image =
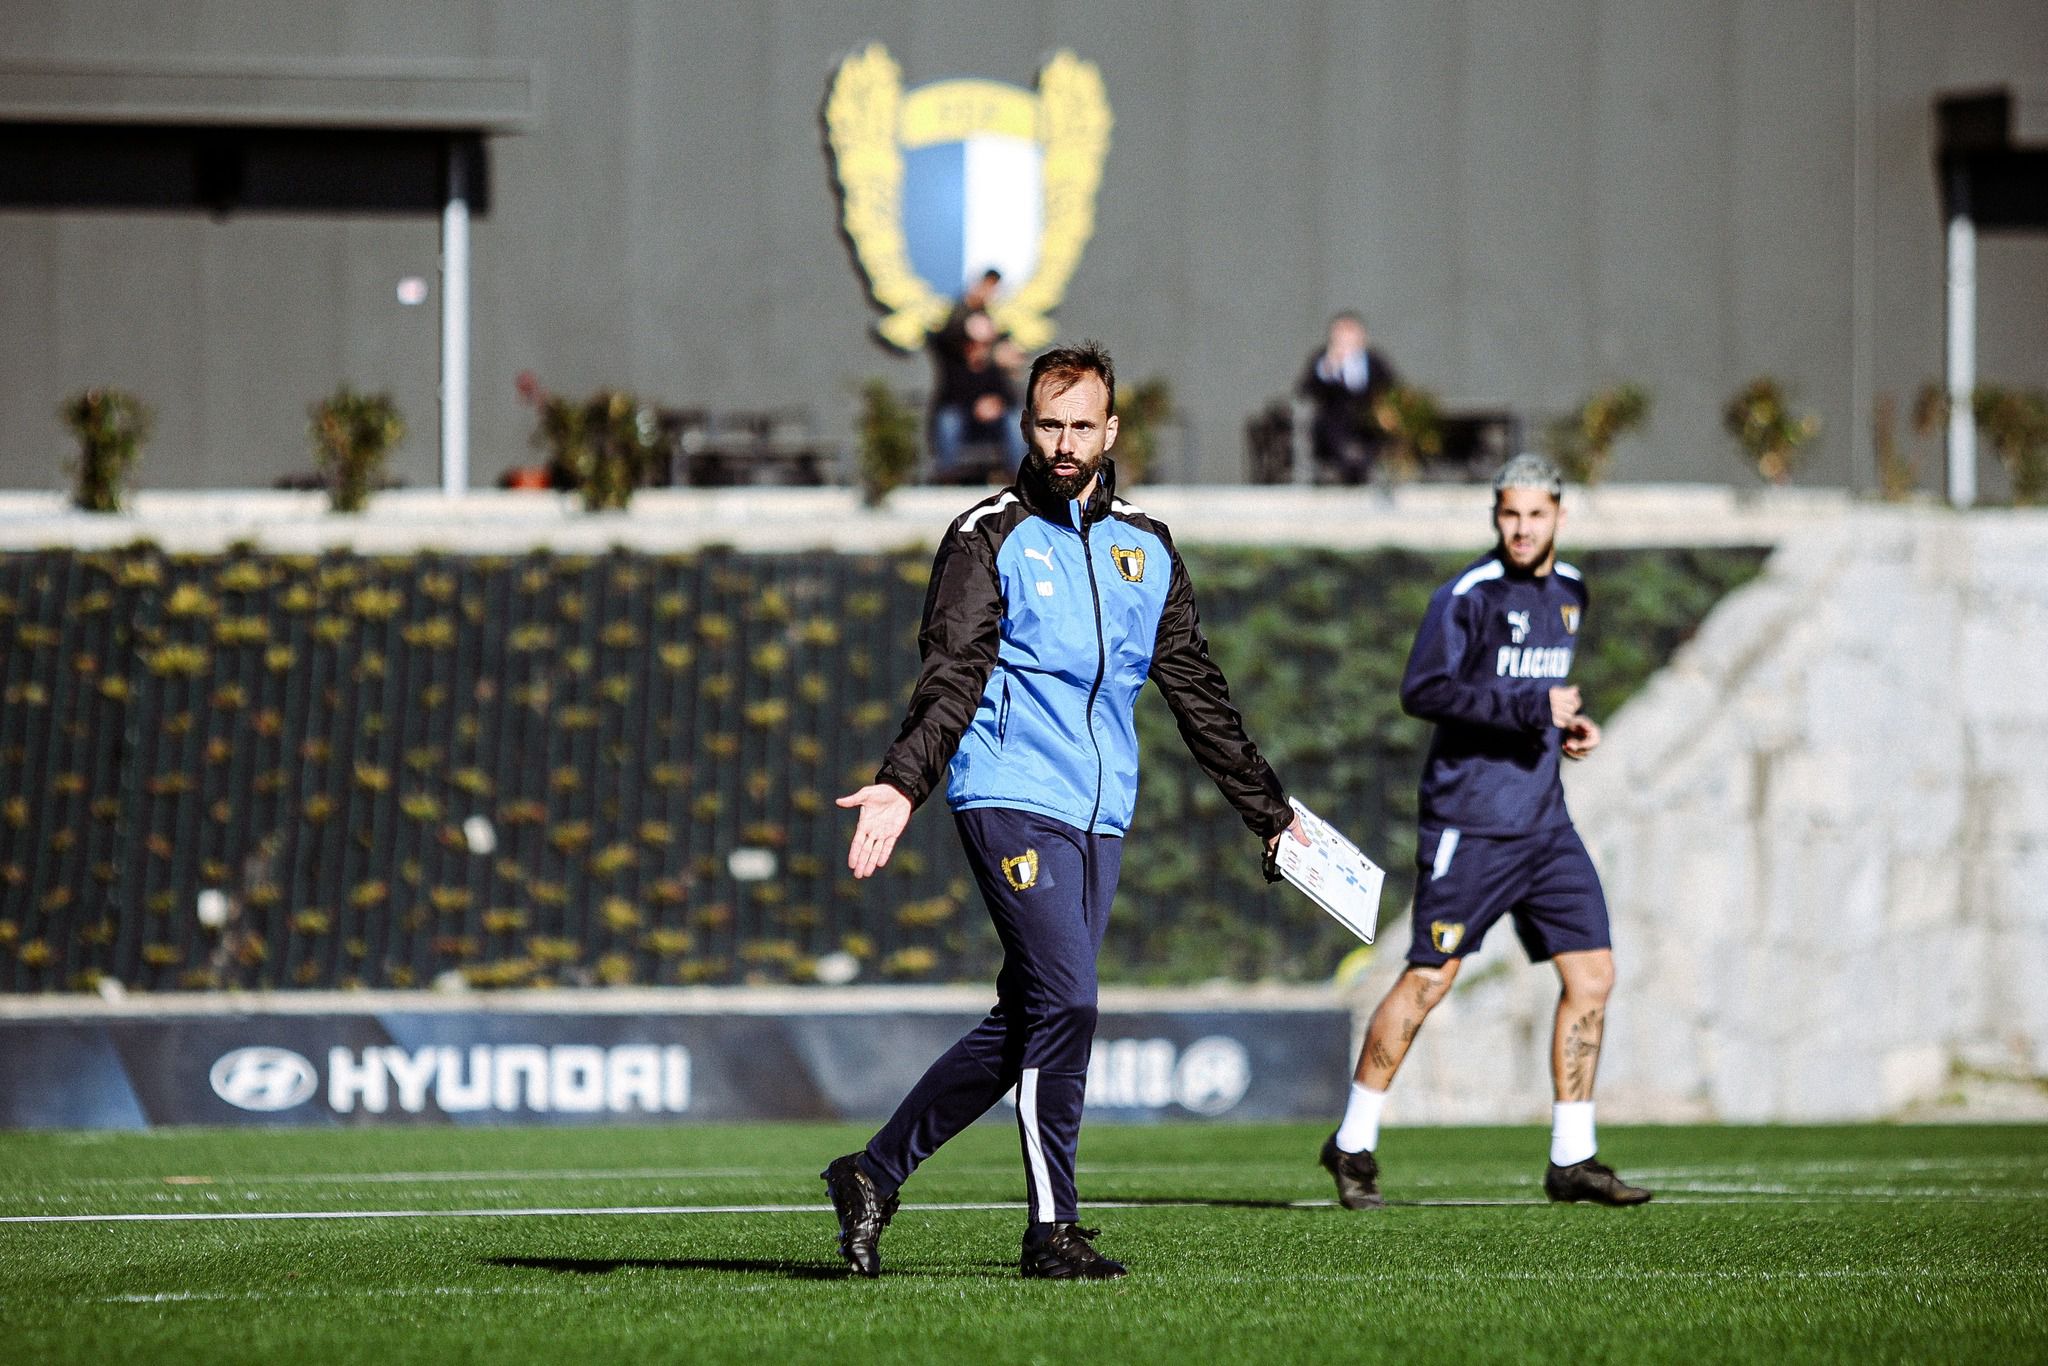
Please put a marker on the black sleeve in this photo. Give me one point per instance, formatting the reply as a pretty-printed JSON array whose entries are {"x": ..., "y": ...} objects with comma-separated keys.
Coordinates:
[
  {"x": 1200, "y": 699},
  {"x": 963, "y": 614}
]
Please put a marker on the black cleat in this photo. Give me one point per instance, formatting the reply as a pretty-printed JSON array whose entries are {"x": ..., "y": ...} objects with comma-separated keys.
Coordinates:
[
  {"x": 1067, "y": 1254},
  {"x": 1591, "y": 1181},
  {"x": 1358, "y": 1176},
  {"x": 863, "y": 1213}
]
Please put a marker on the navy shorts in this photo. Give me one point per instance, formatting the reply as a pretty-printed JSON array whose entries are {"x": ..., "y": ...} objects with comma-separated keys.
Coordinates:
[{"x": 1546, "y": 881}]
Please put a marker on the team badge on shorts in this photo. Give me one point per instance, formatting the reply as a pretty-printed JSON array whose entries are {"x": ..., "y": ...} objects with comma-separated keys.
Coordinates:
[
  {"x": 1129, "y": 563},
  {"x": 1021, "y": 872},
  {"x": 1446, "y": 935},
  {"x": 1570, "y": 612}
]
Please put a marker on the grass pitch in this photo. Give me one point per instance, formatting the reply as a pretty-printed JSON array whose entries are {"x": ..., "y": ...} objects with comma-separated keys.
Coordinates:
[{"x": 715, "y": 1243}]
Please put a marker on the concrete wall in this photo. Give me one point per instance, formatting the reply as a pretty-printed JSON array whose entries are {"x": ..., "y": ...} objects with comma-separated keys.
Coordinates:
[
  {"x": 1823, "y": 831},
  {"x": 1527, "y": 199}
]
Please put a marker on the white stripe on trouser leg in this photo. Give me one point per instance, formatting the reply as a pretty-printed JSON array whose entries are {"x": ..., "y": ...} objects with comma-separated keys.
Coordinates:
[
  {"x": 1034, "y": 1146},
  {"x": 1446, "y": 850}
]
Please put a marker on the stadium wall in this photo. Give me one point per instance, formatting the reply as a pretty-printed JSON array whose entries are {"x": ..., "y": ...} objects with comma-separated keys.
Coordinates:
[
  {"x": 1528, "y": 200},
  {"x": 1819, "y": 825},
  {"x": 239, "y": 765}
]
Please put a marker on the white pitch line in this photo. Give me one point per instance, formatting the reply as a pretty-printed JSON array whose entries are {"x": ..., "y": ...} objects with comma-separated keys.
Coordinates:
[
  {"x": 1704, "y": 1172},
  {"x": 480, "y": 1177},
  {"x": 246, "y": 1216}
]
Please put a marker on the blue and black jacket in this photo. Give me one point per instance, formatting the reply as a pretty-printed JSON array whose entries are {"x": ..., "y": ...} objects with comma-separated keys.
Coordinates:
[
  {"x": 1043, "y": 620},
  {"x": 1492, "y": 645}
]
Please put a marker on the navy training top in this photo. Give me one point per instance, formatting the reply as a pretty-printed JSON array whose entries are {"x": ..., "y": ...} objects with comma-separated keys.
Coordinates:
[{"x": 1492, "y": 645}]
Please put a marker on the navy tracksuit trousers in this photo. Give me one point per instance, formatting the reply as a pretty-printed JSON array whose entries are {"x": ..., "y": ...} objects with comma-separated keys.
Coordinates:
[{"x": 1048, "y": 888}]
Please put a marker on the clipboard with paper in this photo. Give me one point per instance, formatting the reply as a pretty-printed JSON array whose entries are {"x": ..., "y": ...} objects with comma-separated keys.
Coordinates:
[{"x": 1333, "y": 872}]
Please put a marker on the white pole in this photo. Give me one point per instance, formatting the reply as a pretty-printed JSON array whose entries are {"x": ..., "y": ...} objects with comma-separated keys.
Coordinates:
[
  {"x": 455, "y": 323},
  {"x": 1962, "y": 355}
]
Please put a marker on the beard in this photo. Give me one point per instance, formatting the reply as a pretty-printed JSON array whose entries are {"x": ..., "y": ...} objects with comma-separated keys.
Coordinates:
[
  {"x": 1066, "y": 485},
  {"x": 1536, "y": 556}
]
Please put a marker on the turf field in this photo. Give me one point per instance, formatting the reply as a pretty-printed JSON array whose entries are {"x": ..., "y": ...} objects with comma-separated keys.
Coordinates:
[{"x": 714, "y": 1243}]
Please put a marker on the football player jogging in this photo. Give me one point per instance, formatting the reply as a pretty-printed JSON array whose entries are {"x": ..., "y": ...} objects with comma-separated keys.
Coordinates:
[
  {"x": 1050, "y": 605},
  {"x": 1488, "y": 667}
]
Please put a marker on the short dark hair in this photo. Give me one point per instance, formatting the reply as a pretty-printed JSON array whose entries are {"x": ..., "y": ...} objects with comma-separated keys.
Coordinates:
[
  {"x": 991, "y": 274},
  {"x": 1065, "y": 366}
]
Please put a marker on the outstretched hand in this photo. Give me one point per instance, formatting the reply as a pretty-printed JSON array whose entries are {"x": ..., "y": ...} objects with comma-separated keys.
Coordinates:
[{"x": 884, "y": 812}]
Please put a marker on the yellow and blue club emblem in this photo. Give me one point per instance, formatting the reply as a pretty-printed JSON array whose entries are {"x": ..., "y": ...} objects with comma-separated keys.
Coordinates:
[
  {"x": 944, "y": 182},
  {"x": 1021, "y": 872}
]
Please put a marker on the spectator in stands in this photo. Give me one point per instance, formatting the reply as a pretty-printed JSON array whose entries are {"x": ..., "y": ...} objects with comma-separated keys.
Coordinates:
[
  {"x": 974, "y": 397},
  {"x": 1345, "y": 381}
]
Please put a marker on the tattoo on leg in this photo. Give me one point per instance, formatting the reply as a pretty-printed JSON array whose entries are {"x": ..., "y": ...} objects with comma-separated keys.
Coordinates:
[
  {"x": 1580, "y": 1054},
  {"x": 1383, "y": 1056}
]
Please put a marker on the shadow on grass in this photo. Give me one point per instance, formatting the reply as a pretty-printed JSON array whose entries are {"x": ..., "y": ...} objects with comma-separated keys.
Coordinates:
[
  {"x": 754, "y": 1266},
  {"x": 604, "y": 1266}
]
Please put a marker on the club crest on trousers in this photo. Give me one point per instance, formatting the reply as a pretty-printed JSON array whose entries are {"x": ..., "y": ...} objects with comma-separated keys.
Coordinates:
[{"x": 1022, "y": 871}]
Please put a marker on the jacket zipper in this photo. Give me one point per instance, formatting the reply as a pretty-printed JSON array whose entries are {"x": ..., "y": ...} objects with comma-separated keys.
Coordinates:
[{"x": 1101, "y": 661}]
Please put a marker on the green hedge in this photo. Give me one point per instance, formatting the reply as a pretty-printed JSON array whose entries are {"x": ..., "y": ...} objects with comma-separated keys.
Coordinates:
[
  {"x": 1314, "y": 644},
  {"x": 312, "y": 736}
]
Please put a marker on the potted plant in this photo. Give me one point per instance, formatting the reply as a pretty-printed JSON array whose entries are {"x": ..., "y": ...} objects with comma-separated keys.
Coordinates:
[
  {"x": 1899, "y": 467},
  {"x": 620, "y": 450},
  {"x": 1147, "y": 405},
  {"x": 887, "y": 441},
  {"x": 603, "y": 447},
  {"x": 2015, "y": 426},
  {"x": 352, "y": 437},
  {"x": 111, "y": 426},
  {"x": 1414, "y": 424},
  {"x": 1761, "y": 420},
  {"x": 1582, "y": 443}
]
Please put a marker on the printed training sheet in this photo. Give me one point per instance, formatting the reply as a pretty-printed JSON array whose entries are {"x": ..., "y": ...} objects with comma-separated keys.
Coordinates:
[{"x": 1334, "y": 873}]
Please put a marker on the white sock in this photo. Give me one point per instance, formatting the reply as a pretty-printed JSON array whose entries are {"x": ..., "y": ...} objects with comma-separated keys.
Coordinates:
[
  {"x": 1360, "y": 1131},
  {"x": 1571, "y": 1132}
]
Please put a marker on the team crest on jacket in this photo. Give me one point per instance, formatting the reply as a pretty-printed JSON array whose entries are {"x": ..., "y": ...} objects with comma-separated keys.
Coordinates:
[
  {"x": 1446, "y": 935},
  {"x": 1022, "y": 871},
  {"x": 1129, "y": 562},
  {"x": 1570, "y": 613},
  {"x": 944, "y": 181}
]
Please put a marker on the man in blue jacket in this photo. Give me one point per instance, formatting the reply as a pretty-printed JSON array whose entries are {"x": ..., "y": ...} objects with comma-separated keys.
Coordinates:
[
  {"x": 1489, "y": 668},
  {"x": 1050, "y": 605}
]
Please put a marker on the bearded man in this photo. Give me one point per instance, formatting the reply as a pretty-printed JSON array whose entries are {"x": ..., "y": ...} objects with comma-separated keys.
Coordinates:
[
  {"x": 1050, "y": 605},
  {"x": 1489, "y": 668}
]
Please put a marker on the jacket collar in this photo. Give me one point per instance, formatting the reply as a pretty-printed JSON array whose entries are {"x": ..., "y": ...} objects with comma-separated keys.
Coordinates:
[{"x": 1034, "y": 493}]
